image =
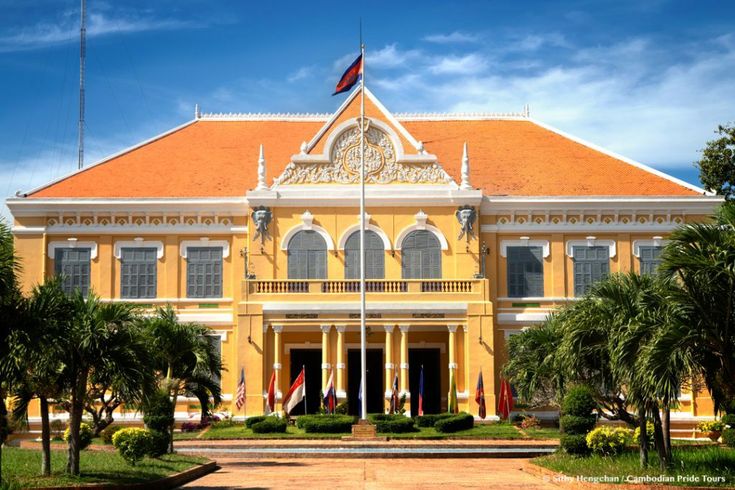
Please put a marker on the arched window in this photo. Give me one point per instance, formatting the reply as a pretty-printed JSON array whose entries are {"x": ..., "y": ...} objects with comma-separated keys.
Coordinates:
[
  {"x": 374, "y": 256},
  {"x": 422, "y": 256},
  {"x": 307, "y": 256}
]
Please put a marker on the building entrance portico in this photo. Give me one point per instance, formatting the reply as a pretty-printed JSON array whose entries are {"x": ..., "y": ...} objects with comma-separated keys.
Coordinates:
[{"x": 374, "y": 388}]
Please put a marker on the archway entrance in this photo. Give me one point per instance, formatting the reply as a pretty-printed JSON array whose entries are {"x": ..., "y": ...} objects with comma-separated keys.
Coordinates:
[
  {"x": 429, "y": 359},
  {"x": 375, "y": 393}
]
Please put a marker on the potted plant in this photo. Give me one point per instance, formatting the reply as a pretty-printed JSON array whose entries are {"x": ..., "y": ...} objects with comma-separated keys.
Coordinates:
[{"x": 712, "y": 429}]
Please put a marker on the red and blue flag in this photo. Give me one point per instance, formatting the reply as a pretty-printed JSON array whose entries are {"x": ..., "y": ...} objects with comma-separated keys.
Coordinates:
[
  {"x": 330, "y": 397},
  {"x": 421, "y": 391},
  {"x": 350, "y": 77},
  {"x": 480, "y": 397}
]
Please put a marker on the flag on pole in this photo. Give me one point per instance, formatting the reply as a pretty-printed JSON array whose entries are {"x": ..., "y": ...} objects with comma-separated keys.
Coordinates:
[
  {"x": 240, "y": 395},
  {"x": 505, "y": 401},
  {"x": 480, "y": 397},
  {"x": 270, "y": 405},
  {"x": 421, "y": 391},
  {"x": 394, "y": 395},
  {"x": 453, "y": 406},
  {"x": 350, "y": 77},
  {"x": 330, "y": 397},
  {"x": 296, "y": 393},
  {"x": 359, "y": 397}
]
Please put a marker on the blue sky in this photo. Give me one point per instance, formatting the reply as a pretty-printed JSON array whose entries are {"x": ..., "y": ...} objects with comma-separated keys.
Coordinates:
[{"x": 650, "y": 79}]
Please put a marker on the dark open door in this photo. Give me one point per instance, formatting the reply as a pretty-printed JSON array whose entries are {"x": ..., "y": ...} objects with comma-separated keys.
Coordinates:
[
  {"x": 311, "y": 359},
  {"x": 429, "y": 358},
  {"x": 375, "y": 392}
]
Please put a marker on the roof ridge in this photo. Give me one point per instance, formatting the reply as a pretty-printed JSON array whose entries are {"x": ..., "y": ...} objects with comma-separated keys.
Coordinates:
[{"x": 259, "y": 116}]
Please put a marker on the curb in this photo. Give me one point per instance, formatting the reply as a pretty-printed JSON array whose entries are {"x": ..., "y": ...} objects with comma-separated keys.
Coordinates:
[
  {"x": 567, "y": 481},
  {"x": 171, "y": 481}
]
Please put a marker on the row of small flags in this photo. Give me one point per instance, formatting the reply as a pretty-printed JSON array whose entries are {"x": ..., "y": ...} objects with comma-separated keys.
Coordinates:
[{"x": 297, "y": 393}]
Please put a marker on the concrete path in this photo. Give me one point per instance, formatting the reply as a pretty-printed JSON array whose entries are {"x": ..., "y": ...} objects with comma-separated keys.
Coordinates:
[{"x": 370, "y": 474}]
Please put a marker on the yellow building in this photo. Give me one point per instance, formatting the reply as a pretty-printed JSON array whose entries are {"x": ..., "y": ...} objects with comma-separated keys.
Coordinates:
[{"x": 478, "y": 226}]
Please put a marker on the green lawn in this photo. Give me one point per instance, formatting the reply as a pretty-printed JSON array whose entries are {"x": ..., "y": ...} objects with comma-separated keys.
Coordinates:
[
  {"x": 692, "y": 466},
  {"x": 484, "y": 431},
  {"x": 23, "y": 466}
]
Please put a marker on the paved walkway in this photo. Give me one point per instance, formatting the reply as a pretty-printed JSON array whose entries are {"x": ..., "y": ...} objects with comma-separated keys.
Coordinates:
[{"x": 370, "y": 474}]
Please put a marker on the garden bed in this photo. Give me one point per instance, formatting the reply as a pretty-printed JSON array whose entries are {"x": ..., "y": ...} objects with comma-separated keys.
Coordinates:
[{"x": 22, "y": 466}]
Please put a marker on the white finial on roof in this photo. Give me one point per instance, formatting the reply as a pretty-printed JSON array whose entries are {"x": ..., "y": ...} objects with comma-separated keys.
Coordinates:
[
  {"x": 465, "y": 184},
  {"x": 304, "y": 147},
  {"x": 526, "y": 110},
  {"x": 197, "y": 112},
  {"x": 420, "y": 148},
  {"x": 261, "y": 171}
]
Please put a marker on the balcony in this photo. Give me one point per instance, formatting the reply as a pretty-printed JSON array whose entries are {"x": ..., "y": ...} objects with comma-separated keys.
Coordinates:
[{"x": 383, "y": 287}]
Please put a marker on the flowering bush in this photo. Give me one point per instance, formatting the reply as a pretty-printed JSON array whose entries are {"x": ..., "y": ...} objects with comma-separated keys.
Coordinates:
[
  {"x": 711, "y": 426},
  {"x": 649, "y": 434},
  {"x": 85, "y": 435},
  {"x": 609, "y": 441},
  {"x": 132, "y": 443}
]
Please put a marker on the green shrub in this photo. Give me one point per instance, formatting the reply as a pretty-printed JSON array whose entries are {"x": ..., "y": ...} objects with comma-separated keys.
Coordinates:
[
  {"x": 578, "y": 401},
  {"x": 574, "y": 424},
  {"x": 461, "y": 421},
  {"x": 85, "y": 435},
  {"x": 609, "y": 441},
  {"x": 159, "y": 444},
  {"x": 269, "y": 425},
  {"x": 254, "y": 420},
  {"x": 649, "y": 433},
  {"x": 729, "y": 419},
  {"x": 342, "y": 408},
  {"x": 132, "y": 444},
  {"x": 728, "y": 437},
  {"x": 108, "y": 432},
  {"x": 328, "y": 424},
  {"x": 224, "y": 423},
  {"x": 158, "y": 412},
  {"x": 432, "y": 419},
  {"x": 395, "y": 423},
  {"x": 574, "y": 444}
]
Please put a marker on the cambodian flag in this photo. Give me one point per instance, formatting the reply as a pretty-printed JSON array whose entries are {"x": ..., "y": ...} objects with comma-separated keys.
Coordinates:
[
  {"x": 421, "y": 391},
  {"x": 480, "y": 397},
  {"x": 330, "y": 397},
  {"x": 394, "y": 400},
  {"x": 350, "y": 77}
]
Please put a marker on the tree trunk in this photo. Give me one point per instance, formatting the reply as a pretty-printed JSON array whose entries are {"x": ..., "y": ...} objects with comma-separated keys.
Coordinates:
[
  {"x": 45, "y": 438},
  {"x": 75, "y": 420},
  {"x": 173, "y": 423},
  {"x": 3, "y": 429},
  {"x": 666, "y": 428},
  {"x": 643, "y": 442},
  {"x": 663, "y": 461}
]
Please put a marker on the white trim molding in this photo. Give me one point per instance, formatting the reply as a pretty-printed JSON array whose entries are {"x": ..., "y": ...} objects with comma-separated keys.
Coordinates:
[
  {"x": 307, "y": 224},
  {"x": 591, "y": 241},
  {"x": 356, "y": 228},
  {"x": 421, "y": 224},
  {"x": 138, "y": 243},
  {"x": 72, "y": 243},
  {"x": 656, "y": 241},
  {"x": 204, "y": 242},
  {"x": 524, "y": 242},
  {"x": 521, "y": 317}
]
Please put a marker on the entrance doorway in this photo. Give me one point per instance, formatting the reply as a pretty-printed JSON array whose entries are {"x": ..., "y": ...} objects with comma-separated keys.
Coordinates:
[
  {"x": 374, "y": 366},
  {"x": 429, "y": 358},
  {"x": 311, "y": 360}
]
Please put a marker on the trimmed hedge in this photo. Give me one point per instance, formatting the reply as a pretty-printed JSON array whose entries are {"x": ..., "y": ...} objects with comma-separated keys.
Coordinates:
[
  {"x": 392, "y": 423},
  {"x": 108, "y": 432},
  {"x": 270, "y": 425},
  {"x": 431, "y": 420},
  {"x": 574, "y": 444},
  {"x": 609, "y": 441},
  {"x": 328, "y": 424},
  {"x": 728, "y": 437},
  {"x": 254, "y": 420},
  {"x": 462, "y": 421},
  {"x": 574, "y": 424},
  {"x": 132, "y": 443},
  {"x": 158, "y": 444},
  {"x": 578, "y": 401},
  {"x": 729, "y": 419},
  {"x": 158, "y": 412}
]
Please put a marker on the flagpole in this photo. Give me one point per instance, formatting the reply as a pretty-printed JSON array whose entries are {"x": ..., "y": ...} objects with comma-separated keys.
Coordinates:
[{"x": 363, "y": 362}]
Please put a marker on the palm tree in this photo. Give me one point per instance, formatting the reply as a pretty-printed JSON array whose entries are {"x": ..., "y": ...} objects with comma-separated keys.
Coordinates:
[
  {"x": 701, "y": 258},
  {"x": 100, "y": 336},
  {"x": 186, "y": 360}
]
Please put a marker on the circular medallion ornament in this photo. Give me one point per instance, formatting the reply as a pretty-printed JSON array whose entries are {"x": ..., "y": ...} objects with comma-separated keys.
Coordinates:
[{"x": 374, "y": 159}]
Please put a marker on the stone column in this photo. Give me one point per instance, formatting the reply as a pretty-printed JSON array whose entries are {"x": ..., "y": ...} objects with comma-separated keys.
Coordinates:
[
  {"x": 341, "y": 392},
  {"x": 389, "y": 365},
  {"x": 325, "y": 353},
  {"x": 277, "y": 330},
  {"x": 452, "y": 356},
  {"x": 404, "y": 358}
]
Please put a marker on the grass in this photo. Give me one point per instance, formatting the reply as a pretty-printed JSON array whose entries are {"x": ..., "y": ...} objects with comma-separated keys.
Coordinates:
[
  {"x": 693, "y": 466},
  {"x": 480, "y": 431},
  {"x": 23, "y": 466}
]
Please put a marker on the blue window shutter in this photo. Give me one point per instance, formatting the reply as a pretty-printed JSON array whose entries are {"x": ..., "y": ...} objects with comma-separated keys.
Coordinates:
[{"x": 307, "y": 256}]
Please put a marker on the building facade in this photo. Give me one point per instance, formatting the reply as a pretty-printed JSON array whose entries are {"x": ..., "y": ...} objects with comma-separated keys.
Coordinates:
[{"x": 478, "y": 225}]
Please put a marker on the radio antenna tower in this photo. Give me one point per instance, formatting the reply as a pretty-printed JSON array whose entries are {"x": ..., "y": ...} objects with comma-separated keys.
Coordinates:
[{"x": 82, "y": 59}]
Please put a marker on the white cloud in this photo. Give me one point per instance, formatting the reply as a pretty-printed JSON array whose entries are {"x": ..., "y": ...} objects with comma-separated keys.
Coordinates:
[
  {"x": 301, "y": 73},
  {"x": 458, "y": 65},
  {"x": 456, "y": 37},
  {"x": 390, "y": 57},
  {"x": 67, "y": 30}
]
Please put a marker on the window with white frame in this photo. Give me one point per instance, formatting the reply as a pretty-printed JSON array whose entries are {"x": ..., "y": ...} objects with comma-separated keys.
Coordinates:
[
  {"x": 650, "y": 257},
  {"x": 307, "y": 256},
  {"x": 374, "y": 256},
  {"x": 525, "y": 271},
  {"x": 73, "y": 265},
  {"x": 138, "y": 273},
  {"x": 421, "y": 256},
  {"x": 591, "y": 264},
  {"x": 204, "y": 272}
]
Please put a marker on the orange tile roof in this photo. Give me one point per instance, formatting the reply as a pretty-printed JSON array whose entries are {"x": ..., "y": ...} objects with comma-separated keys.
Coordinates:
[{"x": 218, "y": 158}]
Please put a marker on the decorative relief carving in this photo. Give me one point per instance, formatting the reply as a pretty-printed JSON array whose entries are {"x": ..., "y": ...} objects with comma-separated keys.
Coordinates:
[{"x": 381, "y": 166}]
